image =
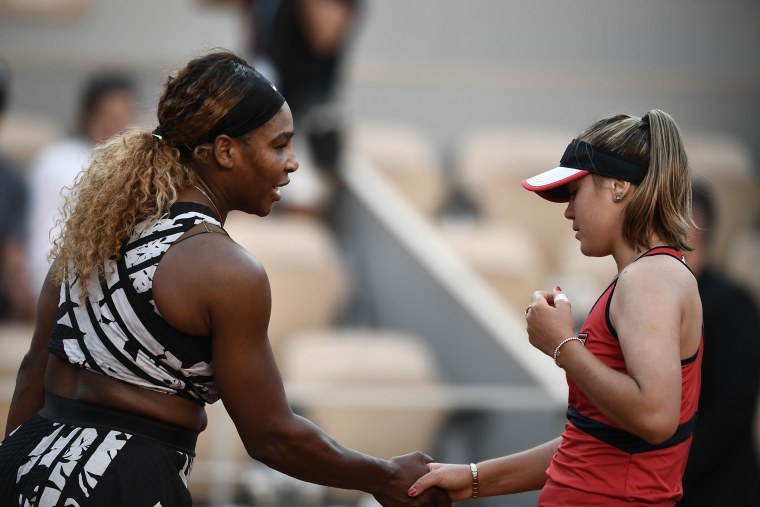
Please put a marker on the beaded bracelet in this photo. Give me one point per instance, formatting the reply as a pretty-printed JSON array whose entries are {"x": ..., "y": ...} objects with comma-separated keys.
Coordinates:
[
  {"x": 556, "y": 351},
  {"x": 474, "y": 470}
]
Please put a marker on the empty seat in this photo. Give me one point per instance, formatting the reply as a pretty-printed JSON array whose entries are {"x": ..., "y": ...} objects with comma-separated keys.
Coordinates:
[
  {"x": 504, "y": 254},
  {"x": 490, "y": 166},
  {"x": 383, "y": 424},
  {"x": 407, "y": 159},
  {"x": 363, "y": 358}
]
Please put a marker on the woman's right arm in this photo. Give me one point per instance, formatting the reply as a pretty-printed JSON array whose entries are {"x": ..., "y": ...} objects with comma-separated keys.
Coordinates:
[
  {"x": 516, "y": 473},
  {"x": 252, "y": 391},
  {"x": 29, "y": 394}
]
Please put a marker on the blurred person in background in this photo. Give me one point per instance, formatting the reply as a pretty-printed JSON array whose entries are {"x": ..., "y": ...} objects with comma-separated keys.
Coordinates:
[
  {"x": 301, "y": 45},
  {"x": 723, "y": 464},
  {"x": 106, "y": 108},
  {"x": 146, "y": 287},
  {"x": 16, "y": 295},
  {"x": 633, "y": 370}
]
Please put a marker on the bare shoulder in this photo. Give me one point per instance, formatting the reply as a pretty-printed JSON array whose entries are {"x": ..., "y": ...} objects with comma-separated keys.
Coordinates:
[
  {"x": 211, "y": 251},
  {"x": 657, "y": 270},
  {"x": 205, "y": 274},
  {"x": 656, "y": 279}
]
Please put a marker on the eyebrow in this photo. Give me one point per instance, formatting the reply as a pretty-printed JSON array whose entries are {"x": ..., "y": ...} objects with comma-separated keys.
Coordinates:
[{"x": 282, "y": 136}]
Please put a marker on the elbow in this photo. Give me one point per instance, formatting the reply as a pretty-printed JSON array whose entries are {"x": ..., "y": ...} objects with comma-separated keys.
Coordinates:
[
  {"x": 262, "y": 446},
  {"x": 32, "y": 368},
  {"x": 267, "y": 444},
  {"x": 657, "y": 429}
]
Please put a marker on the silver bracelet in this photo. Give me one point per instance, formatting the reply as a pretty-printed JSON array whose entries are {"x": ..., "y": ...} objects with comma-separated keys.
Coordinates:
[{"x": 557, "y": 350}]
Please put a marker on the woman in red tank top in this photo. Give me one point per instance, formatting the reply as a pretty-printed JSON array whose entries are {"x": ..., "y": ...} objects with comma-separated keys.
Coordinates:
[{"x": 633, "y": 370}]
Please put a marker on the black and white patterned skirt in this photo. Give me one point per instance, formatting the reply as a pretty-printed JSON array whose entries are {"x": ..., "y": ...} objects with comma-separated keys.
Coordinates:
[{"x": 74, "y": 454}]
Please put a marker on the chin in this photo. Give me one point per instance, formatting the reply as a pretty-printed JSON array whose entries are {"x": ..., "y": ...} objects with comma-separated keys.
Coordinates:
[
  {"x": 588, "y": 250},
  {"x": 262, "y": 212}
]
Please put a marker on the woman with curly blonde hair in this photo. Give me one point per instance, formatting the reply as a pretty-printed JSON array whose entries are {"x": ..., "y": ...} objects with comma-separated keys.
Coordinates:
[{"x": 146, "y": 287}]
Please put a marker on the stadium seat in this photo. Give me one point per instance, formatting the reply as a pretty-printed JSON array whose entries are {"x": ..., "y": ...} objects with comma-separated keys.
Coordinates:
[{"x": 407, "y": 159}]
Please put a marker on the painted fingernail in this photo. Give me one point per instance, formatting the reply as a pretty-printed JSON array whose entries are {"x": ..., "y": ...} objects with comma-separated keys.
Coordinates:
[
  {"x": 558, "y": 288},
  {"x": 411, "y": 492}
]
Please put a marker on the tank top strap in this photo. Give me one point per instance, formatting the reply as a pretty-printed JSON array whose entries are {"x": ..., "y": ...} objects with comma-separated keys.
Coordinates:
[
  {"x": 665, "y": 250},
  {"x": 200, "y": 228}
]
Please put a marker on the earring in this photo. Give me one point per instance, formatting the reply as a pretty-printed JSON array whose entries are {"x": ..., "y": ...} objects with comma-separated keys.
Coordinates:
[{"x": 618, "y": 197}]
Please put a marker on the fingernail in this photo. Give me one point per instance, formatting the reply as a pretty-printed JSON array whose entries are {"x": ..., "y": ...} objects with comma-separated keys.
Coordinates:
[
  {"x": 411, "y": 492},
  {"x": 558, "y": 288}
]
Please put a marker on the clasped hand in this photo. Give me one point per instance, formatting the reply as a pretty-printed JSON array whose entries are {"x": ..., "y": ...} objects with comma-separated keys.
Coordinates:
[{"x": 407, "y": 469}]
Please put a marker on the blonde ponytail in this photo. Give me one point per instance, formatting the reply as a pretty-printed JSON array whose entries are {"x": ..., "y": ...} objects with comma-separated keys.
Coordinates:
[{"x": 132, "y": 178}]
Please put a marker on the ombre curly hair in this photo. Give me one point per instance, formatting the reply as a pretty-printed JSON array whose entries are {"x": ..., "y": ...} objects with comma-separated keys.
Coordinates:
[{"x": 137, "y": 176}]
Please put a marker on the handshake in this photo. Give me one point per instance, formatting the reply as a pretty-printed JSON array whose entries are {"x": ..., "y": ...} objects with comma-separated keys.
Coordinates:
[{"x": 416, "y": 481}]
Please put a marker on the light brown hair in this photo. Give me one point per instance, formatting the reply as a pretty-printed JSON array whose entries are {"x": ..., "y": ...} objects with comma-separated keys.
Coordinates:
[{"x": 662, "y": 202}]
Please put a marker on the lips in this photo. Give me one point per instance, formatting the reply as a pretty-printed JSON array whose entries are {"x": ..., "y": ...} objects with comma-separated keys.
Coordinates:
[{"x": 278, "y": 187}]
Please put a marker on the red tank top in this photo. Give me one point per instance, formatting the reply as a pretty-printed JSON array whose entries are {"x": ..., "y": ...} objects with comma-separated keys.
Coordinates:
[{"x": 599, "y": 463}]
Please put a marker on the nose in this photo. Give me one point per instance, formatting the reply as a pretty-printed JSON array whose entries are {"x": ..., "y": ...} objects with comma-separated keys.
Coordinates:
[
  {"x": 293, "y": 164},
  {"x": 569, "y": 211}
]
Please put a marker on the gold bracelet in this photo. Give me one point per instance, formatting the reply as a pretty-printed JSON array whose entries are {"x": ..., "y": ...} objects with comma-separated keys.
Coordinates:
[
  {"x": 474, "y": 470},
  {"x": 556, "y": 351}
]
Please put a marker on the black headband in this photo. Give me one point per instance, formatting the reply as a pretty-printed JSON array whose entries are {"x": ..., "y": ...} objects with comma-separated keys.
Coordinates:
[
  {"x": 256, "y": 108},
  {"x": 584, "y": 156}
]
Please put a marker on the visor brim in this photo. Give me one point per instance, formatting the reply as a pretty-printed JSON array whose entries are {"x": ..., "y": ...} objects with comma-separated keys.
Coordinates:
[{"x": 552, "y": 184}]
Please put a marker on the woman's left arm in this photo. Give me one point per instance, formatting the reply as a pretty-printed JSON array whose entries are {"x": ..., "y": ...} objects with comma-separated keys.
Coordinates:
[
  {"x": 647, "y": 312},
  {"x": 29, "y": 394}
]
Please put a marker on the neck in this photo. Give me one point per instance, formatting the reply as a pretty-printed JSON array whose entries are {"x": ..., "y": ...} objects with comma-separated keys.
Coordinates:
[
  {"x": 625, "y": 258},
  {"x": 210, "y": 196},
  {"x": 626, "y": 255}
]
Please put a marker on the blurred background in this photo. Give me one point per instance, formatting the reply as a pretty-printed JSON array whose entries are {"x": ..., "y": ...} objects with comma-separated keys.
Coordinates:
[{"x": 406, "y": 250}]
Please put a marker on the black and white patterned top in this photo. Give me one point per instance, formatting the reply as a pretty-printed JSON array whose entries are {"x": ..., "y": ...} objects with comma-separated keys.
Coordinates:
[{"x": 118, "y": 330}]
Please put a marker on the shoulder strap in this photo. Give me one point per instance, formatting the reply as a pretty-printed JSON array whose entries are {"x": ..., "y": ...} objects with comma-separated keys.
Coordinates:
[
  {"x": 665, "y": 250},
  {"x": 200, "y": 228}
]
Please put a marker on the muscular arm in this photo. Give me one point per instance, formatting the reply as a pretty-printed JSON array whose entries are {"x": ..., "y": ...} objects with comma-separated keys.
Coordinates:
[
  {"x": 252, "y": 391},
  {"x": 15, "y": 276},
  {"x": 29, "y": 394},
  {"x": 229, "y": 292}
]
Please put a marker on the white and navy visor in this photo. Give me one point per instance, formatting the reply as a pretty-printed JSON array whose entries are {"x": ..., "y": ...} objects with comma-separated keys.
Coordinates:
[{"x": 580, "y": 159}]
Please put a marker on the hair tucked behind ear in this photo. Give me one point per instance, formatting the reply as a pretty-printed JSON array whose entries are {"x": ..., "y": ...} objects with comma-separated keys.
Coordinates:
[
  {"x": 662, "y": 203},
  {"x": 137, "y": 176}
]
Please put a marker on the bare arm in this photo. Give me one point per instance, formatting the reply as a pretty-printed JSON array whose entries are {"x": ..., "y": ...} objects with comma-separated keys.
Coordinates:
[
  {"x": 29, "y": 394},
  {"x": 16, "y": 277},
  {"x": 648, "y": 311},
  {"x": 516, "y": 473},
  {"x": 235, "y": 299}
]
